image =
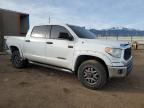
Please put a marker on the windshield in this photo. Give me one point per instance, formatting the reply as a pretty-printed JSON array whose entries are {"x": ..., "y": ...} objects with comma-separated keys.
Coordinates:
[{"x": 81, "y": 32}]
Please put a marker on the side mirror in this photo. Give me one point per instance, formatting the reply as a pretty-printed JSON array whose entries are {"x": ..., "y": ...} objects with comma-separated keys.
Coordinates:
[{"x": 64, "y": 35}]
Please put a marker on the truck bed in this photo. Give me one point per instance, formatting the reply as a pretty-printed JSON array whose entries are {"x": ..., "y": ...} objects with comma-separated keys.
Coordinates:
[{"x": 14, "y": 41}]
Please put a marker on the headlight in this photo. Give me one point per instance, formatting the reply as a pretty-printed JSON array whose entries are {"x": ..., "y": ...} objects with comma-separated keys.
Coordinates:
[{"x": 115, "y": 52}]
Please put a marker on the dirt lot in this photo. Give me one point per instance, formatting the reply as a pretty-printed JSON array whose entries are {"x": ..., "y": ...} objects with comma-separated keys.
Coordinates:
[{"x": 39, "y": 87}]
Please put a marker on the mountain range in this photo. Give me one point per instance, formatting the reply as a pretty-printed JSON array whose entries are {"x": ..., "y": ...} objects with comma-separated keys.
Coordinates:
[{"x": 118, "y": 31}]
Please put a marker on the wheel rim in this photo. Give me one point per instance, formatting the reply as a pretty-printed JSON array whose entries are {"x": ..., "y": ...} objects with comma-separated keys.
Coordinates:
[
  {"x": 91, "y": 76},
  {"x": 17, "y": 59}
]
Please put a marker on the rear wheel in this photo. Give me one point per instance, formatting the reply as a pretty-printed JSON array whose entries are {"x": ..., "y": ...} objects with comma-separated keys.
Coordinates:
[
  {"x": 17, "y": 61},
  {"x": 92, "y": 74}
]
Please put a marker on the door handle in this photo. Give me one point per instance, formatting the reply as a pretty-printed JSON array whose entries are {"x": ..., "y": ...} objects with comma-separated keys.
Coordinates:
[
  {"x": 49, "y": 42},
  {"x": 27, "y": 40},
  {"x": 70, "y": 46}
]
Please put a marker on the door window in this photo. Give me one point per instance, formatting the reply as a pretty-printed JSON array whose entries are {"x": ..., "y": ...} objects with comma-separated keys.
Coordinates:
[
  {"x": 41, "y": 31},
  {"x": 59, "y": 32}
]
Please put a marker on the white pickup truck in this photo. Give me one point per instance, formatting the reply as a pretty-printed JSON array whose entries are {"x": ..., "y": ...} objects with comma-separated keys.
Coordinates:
[{"x": 73, "y": 49}]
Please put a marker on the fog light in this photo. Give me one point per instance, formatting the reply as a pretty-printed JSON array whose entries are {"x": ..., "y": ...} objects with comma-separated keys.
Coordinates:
[{"x": 120, "y": 71}]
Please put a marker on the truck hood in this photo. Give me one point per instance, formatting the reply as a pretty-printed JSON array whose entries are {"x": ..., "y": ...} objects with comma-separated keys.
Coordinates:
[{"x": 106, "y": 43}]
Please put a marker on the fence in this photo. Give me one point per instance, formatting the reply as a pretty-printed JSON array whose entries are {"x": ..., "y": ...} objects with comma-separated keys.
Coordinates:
[
  {"x": 139, "y": 39},
  {"x": 136, "y": 41}
]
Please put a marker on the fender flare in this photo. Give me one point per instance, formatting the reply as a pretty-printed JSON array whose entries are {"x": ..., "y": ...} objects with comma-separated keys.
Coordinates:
[
  {"x": 99, "y": 55},
  {"x": 18, "y": 47}
]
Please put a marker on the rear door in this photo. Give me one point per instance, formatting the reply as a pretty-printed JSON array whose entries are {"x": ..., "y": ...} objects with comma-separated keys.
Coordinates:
[
  {"x": 35, "y": 45},
  {"x": 59, "y": 51}
]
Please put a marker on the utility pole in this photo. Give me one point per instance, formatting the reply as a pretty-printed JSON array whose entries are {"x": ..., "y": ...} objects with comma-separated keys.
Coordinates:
[
  {"x": 131, "y": 38},
  {"x": 1, "y": 32},
  {"x": 49, "y": 19}
]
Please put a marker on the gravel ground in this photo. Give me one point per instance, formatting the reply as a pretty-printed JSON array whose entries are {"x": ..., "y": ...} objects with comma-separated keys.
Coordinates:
[{"x": 39, "y": 87}]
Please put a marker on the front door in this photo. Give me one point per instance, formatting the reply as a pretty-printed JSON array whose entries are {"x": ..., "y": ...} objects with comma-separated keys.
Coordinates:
[{"x": 59, "y": 51}]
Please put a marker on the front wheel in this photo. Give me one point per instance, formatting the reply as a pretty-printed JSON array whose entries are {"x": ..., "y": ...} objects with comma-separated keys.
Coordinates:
[
  {"x": 92, "y": 74},
  {"x": 17, "y": 61}
]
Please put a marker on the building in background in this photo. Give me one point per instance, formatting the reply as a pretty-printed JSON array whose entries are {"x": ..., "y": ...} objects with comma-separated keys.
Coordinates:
[{"x": 12, "y": 23}]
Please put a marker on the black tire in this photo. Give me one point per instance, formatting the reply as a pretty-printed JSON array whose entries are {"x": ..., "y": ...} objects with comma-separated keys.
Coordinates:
[
  {"x": 17, "y": 61},
  {"x": 92, "y": 74}
]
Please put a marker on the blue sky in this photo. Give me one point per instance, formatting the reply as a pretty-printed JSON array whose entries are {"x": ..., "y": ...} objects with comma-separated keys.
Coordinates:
[{"x": 99, "y": 14}]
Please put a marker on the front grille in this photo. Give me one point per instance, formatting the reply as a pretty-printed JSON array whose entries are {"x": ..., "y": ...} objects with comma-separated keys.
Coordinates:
[{"x": 127, "y": 53}]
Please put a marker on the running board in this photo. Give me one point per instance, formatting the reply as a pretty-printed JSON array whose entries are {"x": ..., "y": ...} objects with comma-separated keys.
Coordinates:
[{"x": 50, "y": 66}]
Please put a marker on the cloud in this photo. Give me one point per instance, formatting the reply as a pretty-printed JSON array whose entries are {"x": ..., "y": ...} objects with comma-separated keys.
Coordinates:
[{"x": 91, "y": 13}]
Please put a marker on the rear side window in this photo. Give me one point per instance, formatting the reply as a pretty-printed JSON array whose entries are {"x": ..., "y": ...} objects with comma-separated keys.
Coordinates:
[
  {"x": 41, "y": 31},
  {"x": 56, "y": 30}
]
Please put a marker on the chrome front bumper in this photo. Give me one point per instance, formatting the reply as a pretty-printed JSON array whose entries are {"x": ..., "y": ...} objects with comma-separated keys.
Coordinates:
[{"x": 120, "y": 71}]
